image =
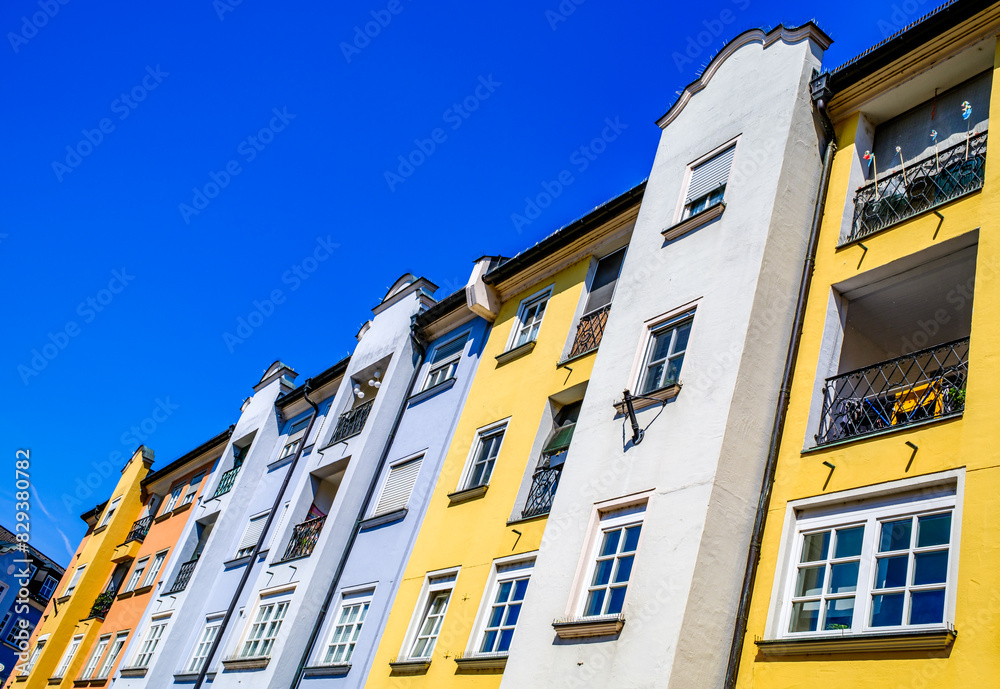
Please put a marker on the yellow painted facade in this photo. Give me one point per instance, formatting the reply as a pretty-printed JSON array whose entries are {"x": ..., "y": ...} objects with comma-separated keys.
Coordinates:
[
  {"x": 967, "y": 443},
  {"x": 67, "y": 617},
  {"x": 471, "y": 535}
]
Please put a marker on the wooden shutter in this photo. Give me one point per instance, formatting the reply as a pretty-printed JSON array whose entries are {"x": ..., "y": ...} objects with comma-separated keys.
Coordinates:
[
  {"x": 398, "y": 487},
  {"x": 710, "y": 174}
]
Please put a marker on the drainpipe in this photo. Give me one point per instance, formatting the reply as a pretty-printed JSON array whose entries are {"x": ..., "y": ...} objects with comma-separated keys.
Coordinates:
[
  {"x": 256, "y": 549},
  {"x": 421, "y": 348},
  {"x": 781, "y": 407}
]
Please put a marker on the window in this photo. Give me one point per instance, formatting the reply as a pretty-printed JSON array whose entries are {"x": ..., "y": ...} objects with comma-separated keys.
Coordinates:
[
  {"x": 149, "y": 644},
  {"x": 505, "y": 596},
  {"x": 529, "y": 319},
  {"x": 20, "y": 630},
  {"x": 264, "y": 630},
  {"x": 49, "y": 587},
  {"x": 108, "y": 513},
  {"x": 398, "y": 486},
  {"x": 602, "y": 287},
  {"x": 665, "y": 354},
  {"x": 613, "y": 560},
  {"x": 175, "y": 495},
  {"x": 347, "y": 629},
  {"x": 252, "y": 535},
  {"x": 204, "y": 645},
  {"x": 872, "y": 568},
  {"x": 485, "y": 456},
  {"x": 95, "y": 657},
  {"x": 154, "y": 569},
  {"x": 116, "y": 650},
  {"x": 708, "y": 182},
  {"x": 68, "y": 656},
  {"x": 193, "y": 488},
  {"x": 140, "y": 567},
  {"x": 444, "y": 361},
  {"x": 33, "y": 658},
  {"x": 432, "y": 615},
  {"x": 74, "y": 580},
  {"x": 295, "y": 438}
]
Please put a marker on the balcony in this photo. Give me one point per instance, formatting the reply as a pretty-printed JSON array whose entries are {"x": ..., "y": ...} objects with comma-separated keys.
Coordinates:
[
  {"x": 304, "y": 537},
  {"x": 139, "y": 530},
  {"x": 920, "y": 186},
  {"x": 352, "y": 422},
  {"x": 102, "y": 604},
  {"x": 927, "y": 384},
  {"x": 543, "y": 490},
  {"x": 589, "y": 332},
  {"x": 227, "y": 480},
  {"x": 183, "y": 576}
]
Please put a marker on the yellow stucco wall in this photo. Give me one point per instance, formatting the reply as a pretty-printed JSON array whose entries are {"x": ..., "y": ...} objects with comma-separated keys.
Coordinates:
[
  {"x": 475, "y": 533},
  {"x": 64, "y": 620},
  {"x": 970, "y": 442}
]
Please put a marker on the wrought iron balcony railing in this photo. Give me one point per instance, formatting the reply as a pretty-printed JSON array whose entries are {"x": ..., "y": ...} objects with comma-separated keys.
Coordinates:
[
  {"x": 139, "y": 530},
  {"x": 589, "y": 331},
  {"x": 352, "y": 422},
  {"x": 919, "y": 186},
  {"x": 103, "y": 603},
  {"x": 304, "y": 537},
  {"x": 924, "y": 385},
  {"x": 227, "y": 480},
  {"x": 543, "y": 490},
  {"x": 183, "y": 576}
]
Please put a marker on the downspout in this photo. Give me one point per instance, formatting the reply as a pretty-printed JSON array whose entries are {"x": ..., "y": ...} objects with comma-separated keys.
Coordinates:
[
  {"x": 421, "y": 348},
  {"x": 781, "y": 407},
  {"x": 256, "y": 549}
]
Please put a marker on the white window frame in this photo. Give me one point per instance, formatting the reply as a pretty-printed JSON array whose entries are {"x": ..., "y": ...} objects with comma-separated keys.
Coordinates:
[
  {"x": 209, "y": 632},
  {"x": 470, "y": 462},
  {"x": 506, "y": 569},
  {"x": 544, "y": 295},
  {"x": 250, "y": 548},
  {"x": 100, "y": 647},
  {"x": 419, "y": 457},
  {"x": 150, "y": 641},
  {"x": 612, "y": 520},
  {"x": 137, "y": 572},
  {"x": 51, "y": 589},
  {"x": 434, "y": 583},
  {"x": 192, "y": 489},
  {"x": 174, "y": 497},
  {"x": 110, "y": 511},
  {"x": 154, "y": 567},
  {"x": 682, "y": 205},
  {"x": 74, "y": 580},
  {"x": 449, "y": 364},
  {"x": 653, "y": 329},
  {"x": 35, "y": 653},
  {"x": 116, "y": 648},
  {"x": 930, "y": 494},
  {"x": 269, "y": 632},
  {"x": 67, "y": 659},
  {"x": 352, "y": 627}
]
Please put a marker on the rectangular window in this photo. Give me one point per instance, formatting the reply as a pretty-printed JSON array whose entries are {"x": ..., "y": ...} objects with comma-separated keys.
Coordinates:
[
  {"x": 398, "y": 486},
  {"x": 95, "y": 657},
  {"x": 529, "y": 319},
  {"x": 485, "y": 456},
  {"x": 140, "y": 567},
  {"x": 149, "y": 644},
  {"x": 74, "y": 580},
  {"x": 175, "y": 495},
  {"x": 665, "y": 354},
  {"x": 193, "y": 488},
  {"x": 602, "y": 287},
  {"x": 505, "y": 595},
  {"x": 116, "y": 650},
  {"x": 432, "y": 616},
  {"x": 264, "y": 630},
  {"x": 613, "y": 558},
  {"x": 707, "y": 186},
  {"x": 13, "y": 636},
  {"x": 879, "y": 568},
  {"x": 205, "y": 641},
  {"x": 295, "y": 438},
  {"x": 154, "y": 569},
  {"x": 251, "y": 535},
  {"x": 353, "y": 611},
  {"x": 49, "y": 587},
  {"x": 33, "y": 658},
  {"x": 108, "y": 513},
  {"x": 444, "y": 361}
]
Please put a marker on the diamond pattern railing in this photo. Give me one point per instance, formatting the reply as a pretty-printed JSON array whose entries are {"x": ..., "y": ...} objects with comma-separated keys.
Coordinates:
[
  {"x": 543, "y": 490},
  {"x": 919, "y": 186},
  {"x": 183, "y": 576},
  {"x": 139, "y": 530},
  {"x": 923, "y": 385},
  {"x": 304, "y": 537},
  {"x": 589, "y": 331},
  {"x": 352, "y": 422},
  {"x": 102, "y": 604}
]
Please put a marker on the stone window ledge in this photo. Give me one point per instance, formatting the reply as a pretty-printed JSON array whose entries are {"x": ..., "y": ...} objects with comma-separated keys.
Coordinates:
[
  {"x": 458, "y": 497},
  {"x": 387, "y": 518},
  {"x": 583, "y": 627},
  {"x": 481, "y": 663},
  {"x": 924, "y": 640},
  {"x": 134, "y": 671},
  {"x": 327, "y": 670},
  {"x": 409, "y": 667},
  {"x": 515, "y": 353},
  {"x": 661, "y": 396},
  {"x": 431, "y": 391},
  {"x": 255, "y": 663},
  {"x": 694, "y": 222}
]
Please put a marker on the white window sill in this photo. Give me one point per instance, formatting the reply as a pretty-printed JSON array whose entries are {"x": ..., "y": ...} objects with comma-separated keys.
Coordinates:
[
  {"x": 583, "y": 627},
  {"x": 431, "y": 391},
  {"x": 255, "y": 663},
  {"x": 410, "y": 667},
  {"x": 694, "y": 222},
  {"x": 920, "y": 640},
  {"x": 481, "y": 663},
  {"x": 340, "y": 670},
  {"x": 381, "y": 519}
]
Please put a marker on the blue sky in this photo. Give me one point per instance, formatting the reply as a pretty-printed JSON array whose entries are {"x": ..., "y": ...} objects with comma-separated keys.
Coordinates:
[{"x": 170, "y": 165}]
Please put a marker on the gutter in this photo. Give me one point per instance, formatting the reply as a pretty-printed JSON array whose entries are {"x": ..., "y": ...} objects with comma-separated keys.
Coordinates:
[
  {"x": 187, "y": 457},
  {"x": 781, "y": 409},
  {"x": 263, "y": 536},
  {"x": 421, "y": 348}
]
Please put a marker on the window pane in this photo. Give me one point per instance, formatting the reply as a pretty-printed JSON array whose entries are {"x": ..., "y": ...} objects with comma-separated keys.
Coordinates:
[
  {"x": 610, "y": 544},
  {"x": 674, "y": 370},
  {"x": 661, "y": 345},
  {"x": 849, "y": 542},
  {"x": 653, "y": 375},
  {"x": 683, "y": 333},
  {"x": 805, "y": 617},
  {"x": 616, "y": 601},
  {"x": 927, "y": 607},
  {"x": 810, "y": 581},
  {"x": 496, "y": 616},
  {"x": 814, "y": 546},
  {"x": 887, "y": 610},
  {"x": 513, "y": 612},
  {"x": 844, "y": 577},
  {"x": 930, "y": 568},
  {"x": 933, "y": 530},
  {"x": 602, "y": 572},
  {"x": 895, "y": 535},
  {"x": 891, "y": 572},
  {"x": 839, "y": 613},
  {"x": 503, "y": 593},
  {"x": 488, "y": 641},
  {"x": 624, "y": 569},
  {"x": 631, "y": 538},
  {"x": 505, "y": 636},
  {"x": 595, "y": 601},
  {"x": 519, "y": 588}
]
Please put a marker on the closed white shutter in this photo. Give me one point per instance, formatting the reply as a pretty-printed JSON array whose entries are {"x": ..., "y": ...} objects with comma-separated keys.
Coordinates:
[
  {"x": 297, "y": 430},
  {"x": 449, "y": 349},
  {"x": 252, "y": 533},
  {"x": 398, "y": 487},
  {"x": 710, "y": 174}
]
